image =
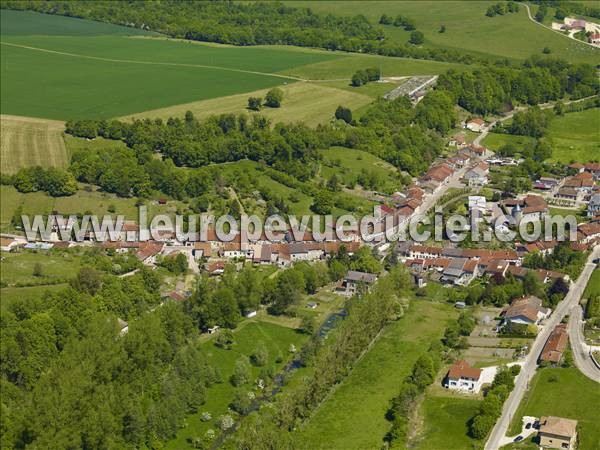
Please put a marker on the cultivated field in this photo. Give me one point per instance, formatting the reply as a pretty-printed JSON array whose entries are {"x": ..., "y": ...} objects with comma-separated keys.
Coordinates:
[
  {"x": 113, "y": 75},
  {"x": 310, "y": 103},
  {"x": 565, "y": 393},
  {"x": 361, "y": 401},
  {"x": 346, "y": 65},
  {"x": 511, "y": 36},
  {"x": 31, "y": 142}
]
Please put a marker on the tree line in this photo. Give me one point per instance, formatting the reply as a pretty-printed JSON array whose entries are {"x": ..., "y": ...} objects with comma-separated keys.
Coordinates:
[
  {"x": 266, "y": 23},
  {"x": 329, "y": 360},
  {"x": 497, "y": 89}
]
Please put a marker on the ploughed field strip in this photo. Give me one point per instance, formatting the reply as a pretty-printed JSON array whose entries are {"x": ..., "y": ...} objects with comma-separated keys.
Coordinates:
[{"x": 28, "y": 142}]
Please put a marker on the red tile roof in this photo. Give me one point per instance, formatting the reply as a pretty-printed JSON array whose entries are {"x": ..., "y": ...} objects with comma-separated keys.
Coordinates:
[{"x": 462, "y": 369}]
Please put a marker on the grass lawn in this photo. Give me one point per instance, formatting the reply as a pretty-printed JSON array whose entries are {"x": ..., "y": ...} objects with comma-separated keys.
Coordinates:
[
  {"x": 593, "y": 287},
  {"x": 17, "y": 268},
  {"x": 576, "y": 136},
  {"x": 82, "y": 201},
  {"x": 511, "y": 36},
  {"x": 494, "y": 141},
  {"x": 10, "y": 294},
  {"x": 445, "y": 422},
  {"x": 276, "y": 338},
  {"x": 578, "y": 213},
  {"x": 347, "y": 164},
  {"x": 354, "y": 415},
  {"x": 29, "y": 142},
  {"x": 112, "y": 75},
  {"x": 565, "y": 393},
  {"x": 311, "y": 103}
]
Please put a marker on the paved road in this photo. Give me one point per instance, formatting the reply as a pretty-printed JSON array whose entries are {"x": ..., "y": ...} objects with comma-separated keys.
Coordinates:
[
  {"x": 530, "y": 366},
  {"x": 581, "y": 351},
  {"x": 554, "y": 31}
]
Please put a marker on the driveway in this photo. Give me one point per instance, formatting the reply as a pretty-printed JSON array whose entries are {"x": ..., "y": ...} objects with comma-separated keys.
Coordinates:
[{"x": 525, "y": 433}]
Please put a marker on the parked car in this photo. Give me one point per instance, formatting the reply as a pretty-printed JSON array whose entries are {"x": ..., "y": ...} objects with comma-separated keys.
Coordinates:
[
  {"x": 518, "y": 439},
  {"x": 528, "y": 426}
]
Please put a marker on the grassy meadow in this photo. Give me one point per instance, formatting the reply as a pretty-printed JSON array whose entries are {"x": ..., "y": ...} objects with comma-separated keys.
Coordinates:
[
  {"x": 511, "y": 36},
  {"x": 361, "y": 401},
  {"x": 576, "y": 136},
  {"x": 495, "y": 141},
  {"x": 29, "y": 142},
  {"x": 445, "y": 423},
  {"x": 564, "y": 393},
  {"x": 276, "y": 338},
  {"x": 347, "y": 164},
  {"x": 310, "y": 103}
]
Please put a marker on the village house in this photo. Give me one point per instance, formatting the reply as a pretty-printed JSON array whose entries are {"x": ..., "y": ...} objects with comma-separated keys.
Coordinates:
[
  {"x": 148, "y": 251},
  {"x": 458, "y": 141},
  {"x": 588, "y": 233},
  {"x": 523, "y": 312},
  {"x": 531, "y": 207},
  {"x": 7, "y": 244},
  {"x": 356, "y": 282},
  {"x": 557, "y": 432},
  {"x": 567, "y": 193},
  {"x": 463, "y": 377},
  {"x": 593, "y": 208},
  {"x": 555, "y": 345},
  {"x": 477, "y": 175},
  {"x": 476, "y": 150},
  {"x": 477, "y": 125},
  {"x": 460, "y": 271},
  {"x": 435, "y": 177},
  {"x": 545, "y": 183}
]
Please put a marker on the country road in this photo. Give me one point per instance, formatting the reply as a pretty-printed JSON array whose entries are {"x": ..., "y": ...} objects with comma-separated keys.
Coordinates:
[
  {"x": 530, "y": 366},
  {"x": 554, "y": 31},
  {"x": 581, "y": 351}
]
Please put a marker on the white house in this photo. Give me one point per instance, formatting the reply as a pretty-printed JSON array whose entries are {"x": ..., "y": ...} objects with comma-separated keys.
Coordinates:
[
  {"x": 477, "y": 125},
  {"x": 463, "y": 377}
]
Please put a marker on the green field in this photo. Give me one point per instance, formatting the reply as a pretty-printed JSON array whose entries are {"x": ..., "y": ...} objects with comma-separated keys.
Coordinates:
[
  {"x": 275, "y": 337},
  {"x": 445, "y": 424},
  {"x": 345, "y": 66},
  {"x": 101, "y": 72},
  {"x": 494, "y": 141},
  {"x": 82, "y": 201},
  {"x": 353, "y": 417},
  {"x": 17, "y": 268},
  {"x": 565, "y": 393},
  {"x": 346, "y": 164},
  {"x": 29, "y": 142},
  {"x": 113, "y": 75},
  {"x": 511, "y": 36},
  {"x": 310, "y": 103},
  {"x": 576, "y": 136}
]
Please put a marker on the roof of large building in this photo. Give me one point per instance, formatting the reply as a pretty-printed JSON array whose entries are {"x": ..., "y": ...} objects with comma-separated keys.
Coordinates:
[{"x": 558, "y": 426}]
